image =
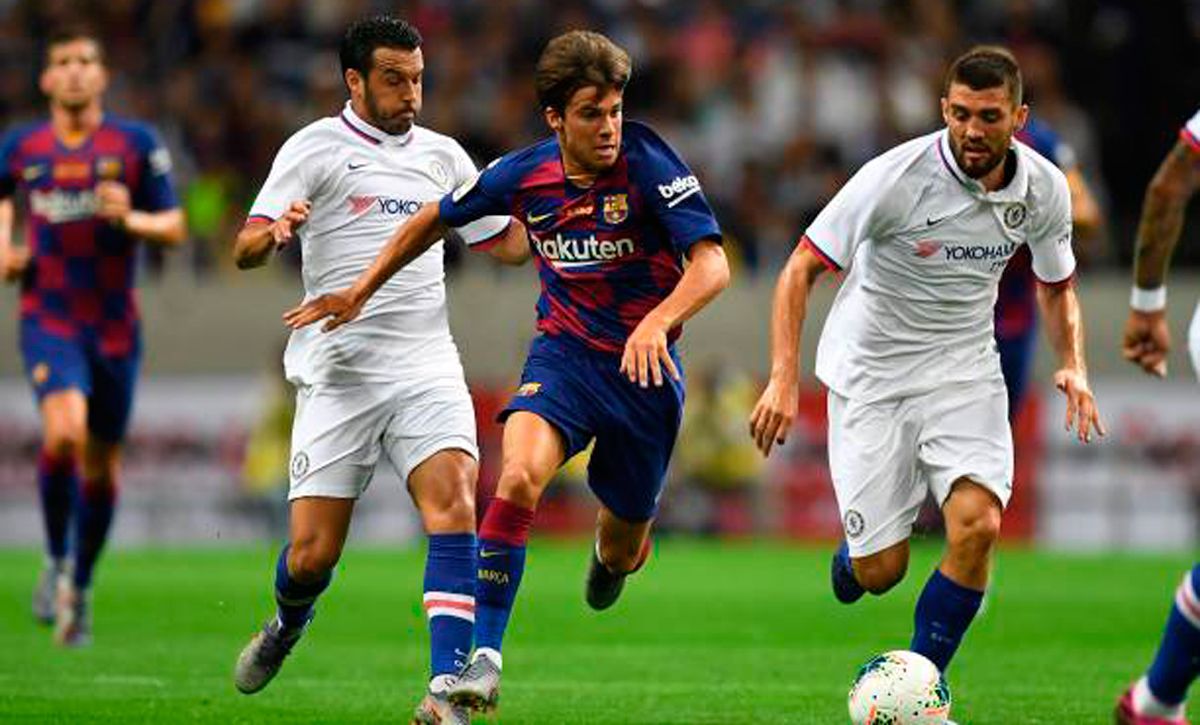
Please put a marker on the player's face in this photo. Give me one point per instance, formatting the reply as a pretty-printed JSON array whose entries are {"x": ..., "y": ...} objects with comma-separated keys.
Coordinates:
[
  {"x": 589, "y": 132},
  {"x": 74, "y": 76},
  {"x": 391, "y": 93},
  {"x": 981, "y": 125}
]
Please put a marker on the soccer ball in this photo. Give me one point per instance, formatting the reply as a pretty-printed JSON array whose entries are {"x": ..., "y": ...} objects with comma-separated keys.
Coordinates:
[{"x": 899, "y": 688}]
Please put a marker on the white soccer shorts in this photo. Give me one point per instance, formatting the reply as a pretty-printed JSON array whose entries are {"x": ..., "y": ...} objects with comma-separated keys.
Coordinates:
[
  {"x": 341, "y": 430},
  {"x": 885, "y": 456}
]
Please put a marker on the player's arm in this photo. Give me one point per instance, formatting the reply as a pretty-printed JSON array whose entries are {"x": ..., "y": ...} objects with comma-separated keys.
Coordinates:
[
  {"x": 1059, "y": 305},
  {"x": 261, "y": 236},
  {"x": 772, "y": 415},
  {"x": 1147, "y": 339},
  {"x": 114, "y": 204},
  {"x": 13, "y": 259},
  {"x": 646, "y": 351},
  {"x": 414, "y": 237},
  {"x": 512, "y": 247}
]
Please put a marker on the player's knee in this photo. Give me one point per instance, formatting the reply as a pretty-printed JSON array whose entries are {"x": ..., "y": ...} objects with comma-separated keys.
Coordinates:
[
  {"x": 452, "y": 511},
  {"x": 65, "y": 443},
  {"x": 519, "y": 484},
  {"x": 880, "y": 572},
  {"x": 975, "y": 531},
  {"x": 311, "y": 558}
]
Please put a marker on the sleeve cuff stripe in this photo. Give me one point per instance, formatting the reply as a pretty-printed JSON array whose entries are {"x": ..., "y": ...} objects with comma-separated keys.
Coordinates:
[
  {"x": 259, "y": 218},
  {"x": 1190, "y": 139},
  {"x": 805, "y": 241},
  {"x": 490, "y": 241}
]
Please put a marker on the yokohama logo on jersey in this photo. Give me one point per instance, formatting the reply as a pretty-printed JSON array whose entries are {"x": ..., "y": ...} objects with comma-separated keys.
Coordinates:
[{"x": 383, "y": 204}]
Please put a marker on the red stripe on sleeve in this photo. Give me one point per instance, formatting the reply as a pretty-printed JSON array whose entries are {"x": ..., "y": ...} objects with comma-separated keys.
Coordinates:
[{"x": 812, "y": 247}]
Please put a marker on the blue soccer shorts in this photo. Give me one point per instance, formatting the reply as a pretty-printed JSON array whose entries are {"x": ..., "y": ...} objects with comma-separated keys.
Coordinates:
[{"x": 584, "y": 395}]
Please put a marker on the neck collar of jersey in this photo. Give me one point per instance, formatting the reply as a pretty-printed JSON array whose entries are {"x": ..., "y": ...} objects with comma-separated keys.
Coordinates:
[
  {"x": 370, "y": 133},
  {"x": 1014, "y": 191}
]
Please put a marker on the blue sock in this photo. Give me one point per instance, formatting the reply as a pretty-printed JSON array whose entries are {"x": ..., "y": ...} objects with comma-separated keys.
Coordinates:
[
  {"x": 294, "y": 600},
  {"x": 1177, "y": 661},
  {"x": 97, "y": 504},
  {"x": 944, "y": 611},
  {"x": 501, "y": 562},
  {"x": 59, "y": 489},
  {"x": 450, "y": 600}
]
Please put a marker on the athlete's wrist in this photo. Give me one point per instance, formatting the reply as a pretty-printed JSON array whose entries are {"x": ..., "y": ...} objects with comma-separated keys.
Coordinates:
[{"x": 1142, "y": 299}]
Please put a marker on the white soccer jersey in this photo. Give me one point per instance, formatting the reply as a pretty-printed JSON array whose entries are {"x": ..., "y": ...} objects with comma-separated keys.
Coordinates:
[
  {"x": 924, "y": 246},
  {"x": 1190, "y": 132},
  {"x": 363, "y": 183}
]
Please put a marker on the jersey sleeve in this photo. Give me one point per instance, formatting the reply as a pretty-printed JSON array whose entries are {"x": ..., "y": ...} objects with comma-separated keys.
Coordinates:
[
  {"x": 155, "y": 191},
  {"x": 674, "y": 194},
  {"x": 1050, "y": 236},
  {"x": 292, "y": 176},
  {"x": 484, "y": 229},
  {"x": 8, "y": 163},
  {"x": 1190, "y": 133},
  {"x": 851, "y": 216},
  {"x": 487, "y": 193}
]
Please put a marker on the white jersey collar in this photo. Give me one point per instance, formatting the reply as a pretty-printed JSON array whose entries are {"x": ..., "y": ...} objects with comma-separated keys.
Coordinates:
[
  {"x": 370, "y": 133},
  {"x": 1014, "y": 191}
]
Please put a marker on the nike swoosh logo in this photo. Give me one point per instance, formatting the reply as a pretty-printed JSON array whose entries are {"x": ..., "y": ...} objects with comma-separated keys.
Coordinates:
[
  {"x": 539, "y": 218},
  {"x": 930, "y": 221},
  {"x": 355, "y": 167},
  {"x": 485, "y": 554}
]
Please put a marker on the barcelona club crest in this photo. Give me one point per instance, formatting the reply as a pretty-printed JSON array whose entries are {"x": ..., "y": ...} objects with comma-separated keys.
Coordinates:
[
  {"x": 109, "y": 167},
  {"x": 529, "y": 389},
  {"x": 616, "y": 208}
]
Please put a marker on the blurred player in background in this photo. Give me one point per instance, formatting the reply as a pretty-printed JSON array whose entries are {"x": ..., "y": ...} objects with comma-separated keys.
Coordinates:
[
  {"x": 916, "y": 399},
  {"x": 1016, "y": 301},
  {"x": 391, "y": 385},
  {"x": 1157, "y": 698},
  {"x": 92, "y": 186},
  {"x": 613, "y": 213}
]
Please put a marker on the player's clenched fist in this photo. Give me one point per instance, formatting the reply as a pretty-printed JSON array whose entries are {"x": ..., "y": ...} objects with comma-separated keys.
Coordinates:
[
  {"x": 341, "y": 307},
  {"x": 113, "y": 201},
  {"x": 773, "y": 414},
  {"x": 1082, "y": 413},
  {"x": 13, "y": 263},
  {"x": 284, "y": 228},
  {"x": 646, "y": 354},
  {"x": 1147, "y": 340}
]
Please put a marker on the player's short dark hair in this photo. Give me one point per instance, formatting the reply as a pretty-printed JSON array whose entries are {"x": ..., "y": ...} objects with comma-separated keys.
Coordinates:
[
  {"x": 378, "y": 31},
  {"x": 579, "y": 59},
  {"x": 63, "y": 34},
  {"x": 986, "y": 66}
]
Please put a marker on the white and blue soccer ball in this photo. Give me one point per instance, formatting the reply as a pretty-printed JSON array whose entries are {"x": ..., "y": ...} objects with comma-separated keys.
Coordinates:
[{"x": 899, "y": 688}]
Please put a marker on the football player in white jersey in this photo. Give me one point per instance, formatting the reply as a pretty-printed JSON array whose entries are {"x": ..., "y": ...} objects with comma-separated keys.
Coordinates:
[
  {"x": 916, "y": 400},
  {"x": 1158, "y": 697},
  {"x": 391, "y": 384}
]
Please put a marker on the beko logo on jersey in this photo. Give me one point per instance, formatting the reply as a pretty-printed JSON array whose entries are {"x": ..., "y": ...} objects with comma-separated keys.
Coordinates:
[
  {"x": 57, "y": 206},
  {"x": 384, "y": 205},
  {"x": 679, "y": 189},
  {"x": 566, "y": 252}
]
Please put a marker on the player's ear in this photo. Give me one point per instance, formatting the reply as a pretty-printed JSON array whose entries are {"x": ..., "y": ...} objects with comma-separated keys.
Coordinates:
[
  {"x": 354, "y": 81},
  {"x": 946, "y": 110},
  {"x": 1022, "y": 116},
  {"x": 554, "y": 119}
]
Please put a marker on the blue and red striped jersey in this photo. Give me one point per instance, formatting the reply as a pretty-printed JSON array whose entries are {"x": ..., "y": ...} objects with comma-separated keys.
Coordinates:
[
  {"x": 606, "y": 254},
  {"x": 1016, "y": 304},
  {"x": 82, "y": 269}
]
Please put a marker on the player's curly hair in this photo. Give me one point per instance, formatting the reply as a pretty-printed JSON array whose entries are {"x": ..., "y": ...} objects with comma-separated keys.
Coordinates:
[
  {"x": 986, "y": 66},
  {"x": 579, "y": 59},
  {"x": 378, "y": 31}
]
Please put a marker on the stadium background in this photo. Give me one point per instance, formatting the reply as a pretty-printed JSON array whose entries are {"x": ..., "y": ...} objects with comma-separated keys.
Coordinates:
[{"x": 772, "y": 103}]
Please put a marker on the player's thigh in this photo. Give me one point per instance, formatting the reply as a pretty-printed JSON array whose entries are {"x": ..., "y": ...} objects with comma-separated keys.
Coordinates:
[
  {"x": 972, "y": 514},
  {"x": 531, "y": 452},
  {"x": 634, "y": 442},
  {"x": 58, "y": 372},
  {"x": 110, "y": 404},
  {"x": 337, "y": 438},
  {"x": 966, "y": 434},
  {"x": 873, "y": 465}
]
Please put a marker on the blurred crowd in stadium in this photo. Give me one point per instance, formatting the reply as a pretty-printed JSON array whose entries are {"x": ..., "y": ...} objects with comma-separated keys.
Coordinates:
[{"x": 774, "y": 103}]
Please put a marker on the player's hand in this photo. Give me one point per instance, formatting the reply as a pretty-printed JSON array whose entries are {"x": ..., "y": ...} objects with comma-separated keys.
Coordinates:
[
  {"x": 773, "y": 413},
  {"x": 113, "y": 202},
  {"x": 341, "y": 307},
  {"x": 1082, "y": 413},
  {"x": 1147, "y": 340},
  {"x": 283, "y": 229},
  {"x": 646, "y": 354},
  {"x": 13, "y": 263}
]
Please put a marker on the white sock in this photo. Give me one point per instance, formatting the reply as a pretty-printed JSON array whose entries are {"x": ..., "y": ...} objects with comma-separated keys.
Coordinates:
[
  {"x": 1145, "y": 703},
  {"x": 493, "y": 655}
]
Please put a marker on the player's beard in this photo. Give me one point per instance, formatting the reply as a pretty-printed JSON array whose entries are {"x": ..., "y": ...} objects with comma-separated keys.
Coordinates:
[
  {"x": 396, "y": 125},
  {"x": 979, "y": 170}
]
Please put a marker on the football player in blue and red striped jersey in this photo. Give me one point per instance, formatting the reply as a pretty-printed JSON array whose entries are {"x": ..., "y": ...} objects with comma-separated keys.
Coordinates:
[
  {"x": 92, "y": 185},
  {"x": 612, "y": 214}
]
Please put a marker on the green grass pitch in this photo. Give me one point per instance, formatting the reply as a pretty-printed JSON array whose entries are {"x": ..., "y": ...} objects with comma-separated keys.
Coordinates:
[{"x": 708, "y": 633}]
